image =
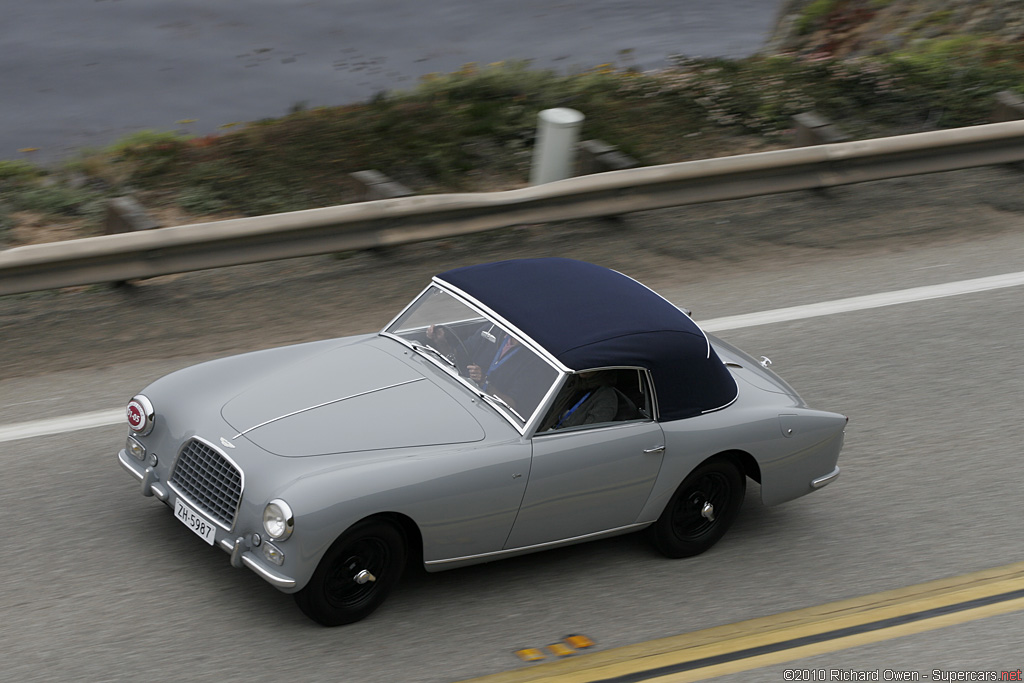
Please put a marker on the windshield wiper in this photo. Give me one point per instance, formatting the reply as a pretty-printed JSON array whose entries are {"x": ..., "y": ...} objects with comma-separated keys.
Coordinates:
[
  {"x": 427, "y": 347},
  {"x": 420, "y": 347},
  {"x": 502, "y": 402}
]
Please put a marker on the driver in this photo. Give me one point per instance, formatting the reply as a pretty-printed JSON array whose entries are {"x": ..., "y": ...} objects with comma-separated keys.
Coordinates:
[{"x": 498, "y": 364}]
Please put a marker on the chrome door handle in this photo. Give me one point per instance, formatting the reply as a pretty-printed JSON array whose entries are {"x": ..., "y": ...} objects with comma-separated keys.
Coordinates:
[{"x": 656, "y": 449}]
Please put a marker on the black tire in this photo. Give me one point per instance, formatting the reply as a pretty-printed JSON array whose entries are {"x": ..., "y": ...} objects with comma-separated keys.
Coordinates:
[
  {"x": 333, "y": 596},
  {"x": 685, "y": 528}
]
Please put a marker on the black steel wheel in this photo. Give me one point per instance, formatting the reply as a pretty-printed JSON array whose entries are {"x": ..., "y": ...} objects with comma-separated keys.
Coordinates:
[
  {"x": 701, "y": 510},
  {"x": 355, "y": 575}
]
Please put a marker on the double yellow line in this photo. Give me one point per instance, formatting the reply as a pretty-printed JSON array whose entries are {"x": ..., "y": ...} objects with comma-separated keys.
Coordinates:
[{"x": 791, "y": 636}]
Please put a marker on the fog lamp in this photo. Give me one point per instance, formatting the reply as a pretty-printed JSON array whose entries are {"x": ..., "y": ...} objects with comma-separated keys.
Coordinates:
[
  {"x": 278, "y": 520},
  {"x": 273, "y": 553},
  {"x": 135, "y": 449}
]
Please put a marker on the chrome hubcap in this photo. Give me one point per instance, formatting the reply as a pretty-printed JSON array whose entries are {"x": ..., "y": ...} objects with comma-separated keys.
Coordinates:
[
  {"x": 705, "y": 500},
  {"x": 363, "y": 576},
  {"x": 708, "y": 511}
]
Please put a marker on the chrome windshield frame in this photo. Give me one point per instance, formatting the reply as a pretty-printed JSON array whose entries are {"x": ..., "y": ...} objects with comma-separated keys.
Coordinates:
[{"x": 487, "y": 314}]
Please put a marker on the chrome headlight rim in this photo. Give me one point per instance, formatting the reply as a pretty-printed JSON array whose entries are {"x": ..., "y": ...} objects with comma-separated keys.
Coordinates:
[{"x": 278, "y": 520}]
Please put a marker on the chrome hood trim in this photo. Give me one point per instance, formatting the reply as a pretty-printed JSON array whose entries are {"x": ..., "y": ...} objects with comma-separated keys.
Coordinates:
[{"x": 325, "y": 403}]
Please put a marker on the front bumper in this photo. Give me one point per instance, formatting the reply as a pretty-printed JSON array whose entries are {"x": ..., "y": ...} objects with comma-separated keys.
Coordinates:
[{"x": 239, "y": 548}]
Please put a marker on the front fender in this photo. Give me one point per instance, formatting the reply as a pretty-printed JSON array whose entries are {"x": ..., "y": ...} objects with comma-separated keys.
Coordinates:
[{"x": 462, "y": 499}]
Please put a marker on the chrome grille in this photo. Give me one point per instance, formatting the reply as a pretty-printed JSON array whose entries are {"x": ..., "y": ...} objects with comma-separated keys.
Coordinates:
[{"x": 209, "y": 480}]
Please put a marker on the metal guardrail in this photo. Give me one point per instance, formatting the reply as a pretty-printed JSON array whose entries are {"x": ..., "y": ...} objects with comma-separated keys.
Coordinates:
[{"x": 387, "y": 222}]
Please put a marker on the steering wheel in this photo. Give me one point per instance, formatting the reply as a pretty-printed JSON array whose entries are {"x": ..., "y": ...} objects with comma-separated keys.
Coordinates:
[{"x": 449, "y": 336}]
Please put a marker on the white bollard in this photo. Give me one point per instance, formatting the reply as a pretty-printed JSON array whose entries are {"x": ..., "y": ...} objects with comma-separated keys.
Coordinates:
[{"x": 555, "y": 151}]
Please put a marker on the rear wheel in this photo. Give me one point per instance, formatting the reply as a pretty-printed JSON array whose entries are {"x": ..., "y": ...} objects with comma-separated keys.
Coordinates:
[
  {"x": 701, "y": 510},
  {"x": 355, "y": 575}
]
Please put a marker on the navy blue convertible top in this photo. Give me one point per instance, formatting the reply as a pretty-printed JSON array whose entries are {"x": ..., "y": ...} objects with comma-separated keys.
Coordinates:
[{"x": 588, "y": 317}]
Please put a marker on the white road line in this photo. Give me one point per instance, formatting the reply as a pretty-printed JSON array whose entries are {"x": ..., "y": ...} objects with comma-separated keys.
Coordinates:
[
  {"x": 104, "y": 418},
  {"x": 860, "y": 303},
  {"x": 59, "y": 425}
]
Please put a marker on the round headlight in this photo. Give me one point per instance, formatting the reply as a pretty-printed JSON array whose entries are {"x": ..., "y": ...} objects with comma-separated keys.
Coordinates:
[
  {"x": 140, "y": 415},
  {"x": 278, "y": 520}
]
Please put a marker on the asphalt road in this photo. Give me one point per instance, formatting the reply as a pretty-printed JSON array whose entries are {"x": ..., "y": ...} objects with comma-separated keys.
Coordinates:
[
  {"x": 84, "y": 73},
  {"x": 103, "y": 584}
]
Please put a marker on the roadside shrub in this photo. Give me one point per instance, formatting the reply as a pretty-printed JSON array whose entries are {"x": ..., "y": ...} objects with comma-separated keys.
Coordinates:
[
  {"x": 813, "y": 14},
  {"x": 149, "y": 153},
  {"x": 145, "y": 141},
  {"x": 55, "y": 199},
  {"x": 200, "y": 200},
  {"x": 18, "y": 170},
  {"x": 954, "y": 79}
]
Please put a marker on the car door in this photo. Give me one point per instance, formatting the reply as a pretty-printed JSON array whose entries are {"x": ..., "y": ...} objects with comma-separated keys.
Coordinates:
[
  {"x": 590, "y": 478},
  {"x": 587, "y": 481}
]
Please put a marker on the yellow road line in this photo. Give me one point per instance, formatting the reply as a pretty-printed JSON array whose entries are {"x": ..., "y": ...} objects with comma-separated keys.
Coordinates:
[
  {"x": 729, "y": 642},
  {"x": 827, "y": 646}
]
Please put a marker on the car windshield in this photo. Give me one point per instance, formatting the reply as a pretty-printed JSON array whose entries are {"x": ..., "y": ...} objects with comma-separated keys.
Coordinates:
[{"x": 481, "y": 352}]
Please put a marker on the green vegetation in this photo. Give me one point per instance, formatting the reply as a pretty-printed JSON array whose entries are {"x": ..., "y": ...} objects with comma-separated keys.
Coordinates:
[
  {"x": 146, "y": 139},
  {"x": 812, "y": 15},
  {"x": 18, "y": 170},
  {"x": 938, "y": 18},
  {"x": 473, "y": 130},
  {"x": 55, "y": 200}
]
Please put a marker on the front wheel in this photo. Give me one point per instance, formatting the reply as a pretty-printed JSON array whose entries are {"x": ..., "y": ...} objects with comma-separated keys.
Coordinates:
[
  {"x": 355, "y": 575},
  {"x": 701, "y": 510}
]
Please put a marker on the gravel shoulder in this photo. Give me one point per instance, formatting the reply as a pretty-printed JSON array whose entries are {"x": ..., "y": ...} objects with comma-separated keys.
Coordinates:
[{"x": 244, "y": 308}]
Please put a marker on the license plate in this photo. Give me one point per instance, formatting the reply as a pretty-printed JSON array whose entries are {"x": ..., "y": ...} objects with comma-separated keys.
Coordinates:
[{"x": 194, "y": 521}]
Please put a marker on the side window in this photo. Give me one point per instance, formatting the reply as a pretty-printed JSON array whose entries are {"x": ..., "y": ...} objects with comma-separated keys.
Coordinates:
[{"x": 597, "y": 397}]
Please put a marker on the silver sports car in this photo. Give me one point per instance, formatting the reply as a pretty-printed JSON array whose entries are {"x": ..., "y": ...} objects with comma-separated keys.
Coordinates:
[{"x": 511, "y": 407}]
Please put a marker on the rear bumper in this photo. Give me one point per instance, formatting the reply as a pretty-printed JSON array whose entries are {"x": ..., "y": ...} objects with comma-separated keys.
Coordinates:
[{"x": 822, "y": 482}]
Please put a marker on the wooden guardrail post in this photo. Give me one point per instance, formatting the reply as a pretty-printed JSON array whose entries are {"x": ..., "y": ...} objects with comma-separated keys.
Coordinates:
[
  {"x": 813, "y": 129},
  {"x": 810, "y": 129},
  {"x": 597, "y": 156},
  {"x": 375, "y": 185},
  {"x": 1009, "y": 107},
  {"x": 124, "y": 214}
]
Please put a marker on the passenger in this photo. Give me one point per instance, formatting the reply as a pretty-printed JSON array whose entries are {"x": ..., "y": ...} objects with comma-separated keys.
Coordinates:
[{"x": 584, "y": 400}]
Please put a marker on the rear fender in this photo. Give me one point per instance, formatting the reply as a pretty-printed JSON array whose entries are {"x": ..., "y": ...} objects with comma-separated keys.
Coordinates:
[
  {"x": 813, "y": 439},
  {"x": 786, "y": 463}
]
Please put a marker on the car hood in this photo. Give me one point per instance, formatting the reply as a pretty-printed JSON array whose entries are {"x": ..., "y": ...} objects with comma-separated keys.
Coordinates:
[{"x": 346, "y": 399}]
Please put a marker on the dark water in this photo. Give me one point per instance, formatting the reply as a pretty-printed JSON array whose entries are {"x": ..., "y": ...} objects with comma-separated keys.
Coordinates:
[{"x": 79, "y": 73}]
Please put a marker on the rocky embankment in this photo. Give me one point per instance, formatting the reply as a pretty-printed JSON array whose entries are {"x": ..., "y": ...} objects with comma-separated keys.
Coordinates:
[{"x": 849, "y": 28}]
